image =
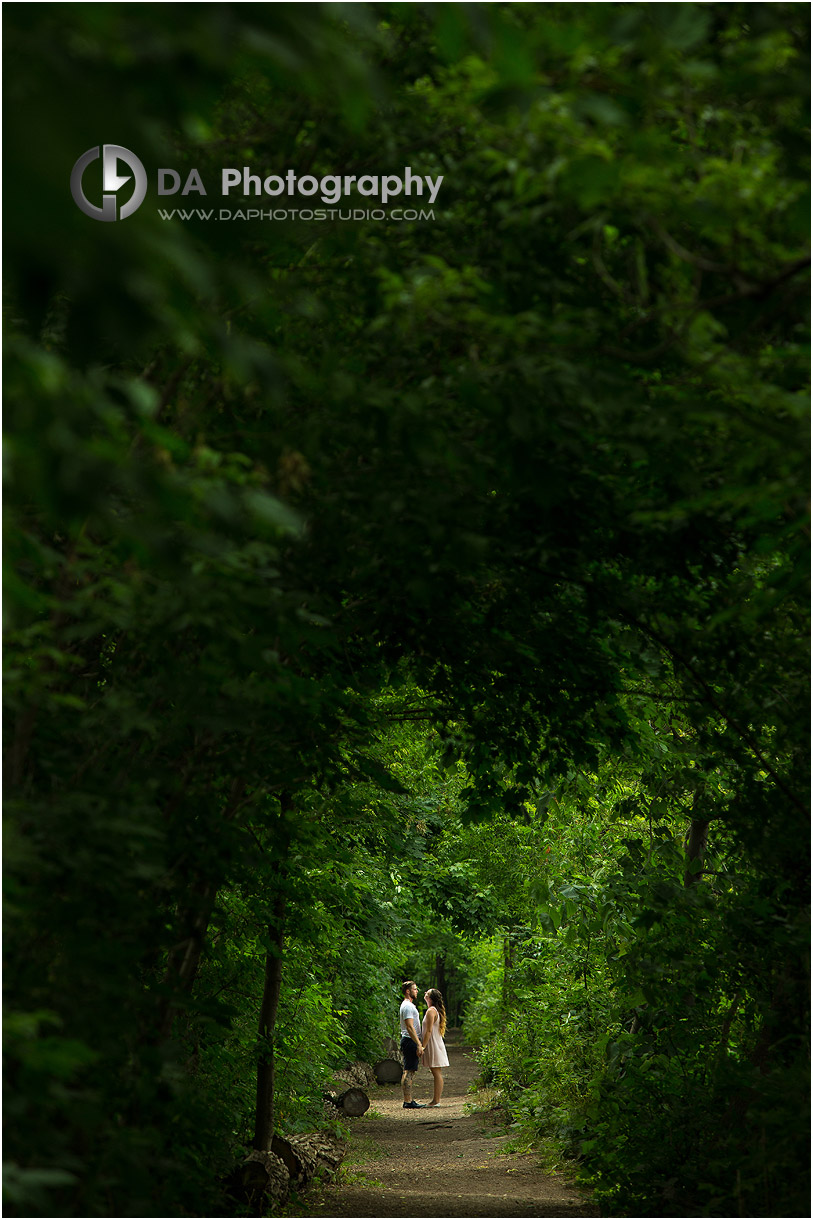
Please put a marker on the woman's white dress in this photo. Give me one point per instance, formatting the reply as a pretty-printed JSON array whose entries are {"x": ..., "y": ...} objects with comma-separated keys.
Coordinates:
[{"x": 434, "y": 1055}]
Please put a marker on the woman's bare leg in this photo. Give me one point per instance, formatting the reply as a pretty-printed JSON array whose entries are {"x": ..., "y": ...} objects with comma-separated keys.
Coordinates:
[{"x": 437, "y": 1077}]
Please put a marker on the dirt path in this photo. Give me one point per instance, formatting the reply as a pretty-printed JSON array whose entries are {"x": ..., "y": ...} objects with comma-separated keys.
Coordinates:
[{"x": 440, "y": 1162}]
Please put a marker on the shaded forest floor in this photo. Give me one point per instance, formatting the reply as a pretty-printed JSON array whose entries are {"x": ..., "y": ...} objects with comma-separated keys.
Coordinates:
[{"x": 439, "y": 1162}]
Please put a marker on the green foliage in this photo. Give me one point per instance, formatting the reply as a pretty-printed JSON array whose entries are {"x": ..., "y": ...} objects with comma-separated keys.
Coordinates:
[
  {"x": 629, "y": 1022},
  {"x": 422, "y": 583}
]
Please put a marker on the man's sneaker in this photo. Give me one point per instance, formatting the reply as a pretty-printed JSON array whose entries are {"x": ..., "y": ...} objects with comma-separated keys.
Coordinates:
[{"x": 414, "y": 1105}]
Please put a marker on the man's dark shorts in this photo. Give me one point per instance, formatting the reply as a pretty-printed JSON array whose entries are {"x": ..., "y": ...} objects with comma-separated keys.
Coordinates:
[{"x": 409, "y": 1050}]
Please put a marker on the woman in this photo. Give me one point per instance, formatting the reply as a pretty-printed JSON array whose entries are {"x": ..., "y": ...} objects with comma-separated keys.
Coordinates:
[{"x": 432, "y": 1031}]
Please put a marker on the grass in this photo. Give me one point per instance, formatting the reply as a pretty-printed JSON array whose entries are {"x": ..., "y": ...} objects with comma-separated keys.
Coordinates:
[
  {"x": 486, "y": 1098},
  {"x": 357, "y": 1177},
  {"x": 363, "y": 1150}
]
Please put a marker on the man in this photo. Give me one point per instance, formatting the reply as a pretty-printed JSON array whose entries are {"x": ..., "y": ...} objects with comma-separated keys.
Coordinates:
[{"x": 411, "y": 1048}]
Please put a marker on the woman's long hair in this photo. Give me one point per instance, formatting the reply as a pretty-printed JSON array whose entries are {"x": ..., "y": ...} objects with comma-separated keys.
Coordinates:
[{"x": 437, "y": 1001}]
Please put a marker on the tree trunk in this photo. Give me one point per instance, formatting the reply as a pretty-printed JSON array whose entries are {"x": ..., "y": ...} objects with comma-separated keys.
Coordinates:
[
  {"x": 696, "y": 840},
  {"x": 722, "y": 1049},
  {"x": 266, "y": 1067},
  {"x": 440, "y": 976},
  {"x": 508, "y": 967},
  {"x": 184, "y": 957}
]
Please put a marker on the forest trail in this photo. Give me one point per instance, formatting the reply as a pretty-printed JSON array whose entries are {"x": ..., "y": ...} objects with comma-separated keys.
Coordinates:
[{"x": 439, "y": 1162}]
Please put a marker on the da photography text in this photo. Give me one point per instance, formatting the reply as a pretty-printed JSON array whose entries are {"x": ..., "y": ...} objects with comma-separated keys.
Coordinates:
[{"x": 329, "y": 189}]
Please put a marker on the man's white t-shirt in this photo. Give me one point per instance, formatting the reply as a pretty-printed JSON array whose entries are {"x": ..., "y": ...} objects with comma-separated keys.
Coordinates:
[{"x": 408, "y": 1009}]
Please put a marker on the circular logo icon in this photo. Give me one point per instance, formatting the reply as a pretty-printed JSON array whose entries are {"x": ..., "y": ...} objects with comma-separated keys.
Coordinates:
[{"x": 111, "y": 154}]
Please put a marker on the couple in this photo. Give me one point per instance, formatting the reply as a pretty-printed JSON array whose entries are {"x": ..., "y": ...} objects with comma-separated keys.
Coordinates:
[{"x": 428, "y": 1045}]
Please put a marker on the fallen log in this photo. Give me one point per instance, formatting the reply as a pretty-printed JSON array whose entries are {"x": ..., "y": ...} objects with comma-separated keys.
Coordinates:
[
  {"x": 358, "y": 1073},
  {"x": 354, "y": 1102},
  {"x": 261, "y": 1178},
  {"x": 391, "y": 1049},
  {"x": 304, "y": 1156},
  {"x": 388, "y": 1071},
  {"x": 264, "y": 1178}
]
